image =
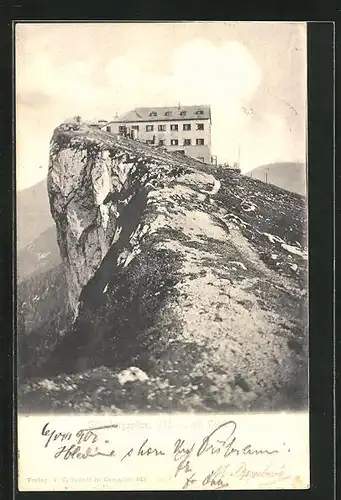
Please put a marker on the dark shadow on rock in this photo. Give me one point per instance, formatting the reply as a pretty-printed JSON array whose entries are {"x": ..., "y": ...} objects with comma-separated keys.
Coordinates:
[{"x": 112, "y": 328}]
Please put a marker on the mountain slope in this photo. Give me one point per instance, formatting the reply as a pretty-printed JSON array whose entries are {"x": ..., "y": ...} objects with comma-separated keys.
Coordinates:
[
  {"x": 33, "y": 214},
  {"x": 42, "y": 316},
  {"x": 290, "y": 176},
  {"x": 193, "y": 275},
  {"x": 40, "y": 255}
]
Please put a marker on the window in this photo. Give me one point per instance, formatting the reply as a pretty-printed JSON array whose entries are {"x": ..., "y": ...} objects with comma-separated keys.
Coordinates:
[
  {"x": 187, "y": 142},
  {"x": 108, "y": 129},
  {"x": 161, "y": 128},
  {"x": 174, "y": 142},
  {"x": 186, "y": 126},
  {"x": 199, "y": 112},
  {"x": 135, "y": 127},
  {"x": 149, "y": 128},
  {"x": 183, "y": 113},
  {"x": 148, "y": 141},
  {"x": 200, "y": 126},
  {"x": 168, "y": 113},
  {"x": 153, "y": 113},
  {"x": 162, "y": 142},
  {"x": 121, "y": 129},
  {"x": 174, "y": 127},
  {"x": 200, "y": 142}
]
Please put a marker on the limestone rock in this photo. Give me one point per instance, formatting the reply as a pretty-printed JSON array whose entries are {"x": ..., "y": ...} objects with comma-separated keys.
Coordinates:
[{"x": 132, "y": 374}]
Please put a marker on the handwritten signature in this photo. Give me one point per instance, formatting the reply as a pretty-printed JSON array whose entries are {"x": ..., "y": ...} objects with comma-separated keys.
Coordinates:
[{"x": 221, "y": 441}]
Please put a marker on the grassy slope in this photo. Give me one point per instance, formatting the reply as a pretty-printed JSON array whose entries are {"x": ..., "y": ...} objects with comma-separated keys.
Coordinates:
[{"x": 267, "y": 209}]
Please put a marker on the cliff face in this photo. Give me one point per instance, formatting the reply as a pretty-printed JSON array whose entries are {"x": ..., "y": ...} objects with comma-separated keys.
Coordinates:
[
  {"x": 95, "y": 184},
  {"x": 194, "y": 275}
]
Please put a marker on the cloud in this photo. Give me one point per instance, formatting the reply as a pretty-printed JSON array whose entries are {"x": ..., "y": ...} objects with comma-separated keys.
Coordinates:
[
  {"x": 57, "y": 78},
  {"x": 226, "y": 77},
  {"x": 224, "y": 74},
  {"x": 34, "y": 99}
]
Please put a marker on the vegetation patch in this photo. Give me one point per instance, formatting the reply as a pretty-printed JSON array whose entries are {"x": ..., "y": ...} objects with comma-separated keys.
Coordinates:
[{"x": 43, "y": 318}]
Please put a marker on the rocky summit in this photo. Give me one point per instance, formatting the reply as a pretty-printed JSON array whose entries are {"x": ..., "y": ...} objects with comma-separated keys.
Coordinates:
[{"x": 186, "y": 284}]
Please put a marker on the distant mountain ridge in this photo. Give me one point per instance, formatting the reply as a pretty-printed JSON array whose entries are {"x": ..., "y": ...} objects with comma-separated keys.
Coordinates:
[
  {"x": 287, "y": 175},
  {"x": 40, "y": 255},
  {"x": 37, "y": 248},
  {"x": 33, "y": 213}
]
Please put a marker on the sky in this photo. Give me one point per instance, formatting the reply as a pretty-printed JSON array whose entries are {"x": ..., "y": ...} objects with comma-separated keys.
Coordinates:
[{"x": 252, "y": 74}]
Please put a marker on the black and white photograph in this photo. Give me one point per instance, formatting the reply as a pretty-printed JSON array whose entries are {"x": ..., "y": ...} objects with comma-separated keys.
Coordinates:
[{"x": 161, "y": 223}]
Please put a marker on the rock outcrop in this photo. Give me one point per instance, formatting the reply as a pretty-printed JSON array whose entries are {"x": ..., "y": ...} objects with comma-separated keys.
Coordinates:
[{"x": 193, "y": 275}]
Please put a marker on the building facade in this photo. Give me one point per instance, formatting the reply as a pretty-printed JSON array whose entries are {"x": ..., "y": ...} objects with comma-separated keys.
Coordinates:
[{"x": 185, "y": 129}]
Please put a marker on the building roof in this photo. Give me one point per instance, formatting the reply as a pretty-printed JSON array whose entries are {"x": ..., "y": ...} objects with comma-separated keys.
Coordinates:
[{"x": 201, "y": 112}]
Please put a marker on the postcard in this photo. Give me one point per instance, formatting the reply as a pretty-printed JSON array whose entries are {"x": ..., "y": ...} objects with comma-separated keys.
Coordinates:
[{"x": 162, "y": 256}]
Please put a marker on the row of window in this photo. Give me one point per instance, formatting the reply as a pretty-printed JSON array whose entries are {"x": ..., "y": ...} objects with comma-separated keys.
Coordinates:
[
  {"x": 162, "y": 128},
  {"x": 175, "y": 142},
  {"x": 182, "y": 113}
]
